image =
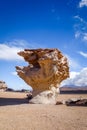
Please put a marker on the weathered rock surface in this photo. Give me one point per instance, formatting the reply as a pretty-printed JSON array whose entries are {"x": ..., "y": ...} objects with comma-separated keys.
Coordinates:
[
  {"x": 76, "y": 102},
  {"x": 47, "y": 68},
  {"x": 3, "y": 85},
  {"x": 59, "y": 102},
  {"x": 45, "y": 97}
]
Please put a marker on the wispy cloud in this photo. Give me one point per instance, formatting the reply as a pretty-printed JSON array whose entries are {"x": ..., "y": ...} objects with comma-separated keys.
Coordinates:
[
  {"x": 77, "y": 34},
  {"x": 80, "y": 28},
  {"x": 82, "y": 3},
  {"x": 77, "y": 78},
  {"x": 83, "y": 54},
  {"x": 23, "y": 44},
  {"x": 79, "y": 18},
  {"x": 17, "y": 43},
  {"x": 81, "y": 35},
  {"x": 85, "y": 36}
]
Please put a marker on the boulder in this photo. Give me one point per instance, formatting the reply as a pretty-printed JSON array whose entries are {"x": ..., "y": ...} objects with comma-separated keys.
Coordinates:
[
  {"x": 76, "y": 102},
  {"x": 59, "y": 102},
  {"x": 3, "y": 85}
]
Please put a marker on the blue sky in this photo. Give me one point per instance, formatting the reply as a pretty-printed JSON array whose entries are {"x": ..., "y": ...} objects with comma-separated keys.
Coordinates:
[{"x": 58, "y": 24}]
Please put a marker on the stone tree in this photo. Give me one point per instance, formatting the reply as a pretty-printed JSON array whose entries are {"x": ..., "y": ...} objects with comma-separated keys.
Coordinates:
[{"x": 46, "y": 70}]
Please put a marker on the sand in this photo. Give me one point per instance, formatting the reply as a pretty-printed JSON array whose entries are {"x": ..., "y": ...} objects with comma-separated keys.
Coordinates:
[{"x": 17, "y": 114}]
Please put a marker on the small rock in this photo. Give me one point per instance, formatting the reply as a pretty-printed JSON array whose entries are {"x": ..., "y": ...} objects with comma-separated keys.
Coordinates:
[
  {"x": 3, "y": 85},
  {"x": 29, "y": 96},
  {"x": 59, "y": 103}
]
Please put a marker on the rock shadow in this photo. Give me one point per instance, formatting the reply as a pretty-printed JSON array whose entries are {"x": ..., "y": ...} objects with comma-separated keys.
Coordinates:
[{"x": 12, "y": 101}]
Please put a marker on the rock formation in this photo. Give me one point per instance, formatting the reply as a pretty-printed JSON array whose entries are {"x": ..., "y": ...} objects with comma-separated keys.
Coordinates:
[
  {"x": 3, "y": 85},
  {"x": 76, "y": 102},
  {"x": 47, "y": 68}
]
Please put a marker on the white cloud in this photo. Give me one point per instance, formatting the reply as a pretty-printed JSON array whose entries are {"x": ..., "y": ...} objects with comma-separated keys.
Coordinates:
[
  {"x": 79, "y": 18},
  {"x": 83, "y": 54},
  {"x": 80, "y": 28},
  {"x": 14, "y": 73},
  {"x": 73, "y": 74},
  {"x": 8, "y": 50},
  {"x": 82, "y": 3},
  {"x": 85, "y": 36},
  {"x": 77, "y": 34},
  {"x": 9, "y": 53},
  {"x": 73, "y": 64},
  {"x": 81, "y": 35},
  {"x": 77, "y": 78}
]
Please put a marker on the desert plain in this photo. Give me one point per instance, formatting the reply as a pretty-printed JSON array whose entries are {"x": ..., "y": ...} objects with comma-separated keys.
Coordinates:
[{"x": 17, "y": 114}]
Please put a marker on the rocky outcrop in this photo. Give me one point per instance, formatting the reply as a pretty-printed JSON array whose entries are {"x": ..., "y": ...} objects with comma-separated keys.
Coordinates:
[
  {"x": 47, "y": 68},
  {"x": 3, "y": 85},
  {"x": 76, "y": 102}
]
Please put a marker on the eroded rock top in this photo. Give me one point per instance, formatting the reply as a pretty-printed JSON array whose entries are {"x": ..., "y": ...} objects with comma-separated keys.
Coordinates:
[
  {"x": 47, "y": 67},
  {"x": 3, "y": 85}
]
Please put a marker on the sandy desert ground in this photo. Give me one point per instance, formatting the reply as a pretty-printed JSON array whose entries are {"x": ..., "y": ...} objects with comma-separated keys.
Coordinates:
[{"x": 17, "y": 114}]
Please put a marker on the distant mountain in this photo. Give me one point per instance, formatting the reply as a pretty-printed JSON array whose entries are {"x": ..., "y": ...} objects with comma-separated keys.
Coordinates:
[{"x": 73, "y": 88}]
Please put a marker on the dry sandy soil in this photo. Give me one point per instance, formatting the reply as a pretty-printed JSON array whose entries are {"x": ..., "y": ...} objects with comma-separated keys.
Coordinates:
[{"x": 17, "y": 114}]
